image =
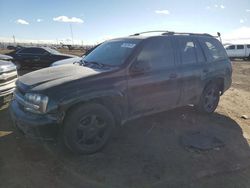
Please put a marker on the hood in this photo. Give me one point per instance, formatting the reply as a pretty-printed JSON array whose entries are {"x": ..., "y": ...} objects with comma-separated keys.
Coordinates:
[
  {"x": 53, "y": 76},
  {"x": 5, "y": 57},
  {"x": 6, "y": 66},
  {"x": 67, "y": 55},
  {"x": 66, "y": 61}
]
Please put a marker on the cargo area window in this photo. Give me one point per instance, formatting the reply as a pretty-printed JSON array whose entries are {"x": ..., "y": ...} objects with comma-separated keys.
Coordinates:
[{"x": 214, "y": 49}]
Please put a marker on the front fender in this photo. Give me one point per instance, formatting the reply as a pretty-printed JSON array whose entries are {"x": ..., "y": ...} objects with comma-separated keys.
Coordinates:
[{"x": 115, "y": 96}]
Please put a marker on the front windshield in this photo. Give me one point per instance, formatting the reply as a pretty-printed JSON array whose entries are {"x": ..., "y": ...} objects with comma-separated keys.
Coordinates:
[
  {"x": 112, "y": 53},
  {"x": 52, "y": 51}
]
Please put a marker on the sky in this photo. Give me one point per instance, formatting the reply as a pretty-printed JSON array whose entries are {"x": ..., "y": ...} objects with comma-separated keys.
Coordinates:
[{"x": 97, "y": 20}]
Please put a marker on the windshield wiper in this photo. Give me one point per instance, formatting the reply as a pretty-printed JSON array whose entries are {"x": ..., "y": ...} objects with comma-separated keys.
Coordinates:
[{"x": 86, "y": 63}]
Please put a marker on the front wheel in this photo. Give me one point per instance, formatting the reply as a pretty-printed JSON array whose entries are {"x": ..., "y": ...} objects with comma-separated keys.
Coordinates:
[
  {"x": 209, "y": 99},
  {"x": 87, "y": 128}
]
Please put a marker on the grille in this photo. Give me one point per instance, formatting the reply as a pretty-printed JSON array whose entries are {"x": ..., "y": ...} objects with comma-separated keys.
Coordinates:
[{"x": 7, "y": 82}]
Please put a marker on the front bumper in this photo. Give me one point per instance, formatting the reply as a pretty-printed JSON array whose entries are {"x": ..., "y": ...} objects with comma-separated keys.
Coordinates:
[{"x": 35, "y": 126}]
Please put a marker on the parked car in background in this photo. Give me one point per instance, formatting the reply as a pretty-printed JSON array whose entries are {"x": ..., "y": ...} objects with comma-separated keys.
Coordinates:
[
  {"x": 68, "y": 61},
  {"x": 74, "y": 59},
  {"x": 241, "y": 51},
  {"x": 8, "y": 77},
  {"x": 120, "y": 80},
  {"x": 37, "y": 57}
]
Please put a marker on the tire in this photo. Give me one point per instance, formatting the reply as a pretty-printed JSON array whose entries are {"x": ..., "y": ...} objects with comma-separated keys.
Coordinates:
[
  {"x": 87, "y": 128},
  {"x": 209, "y": 99}
]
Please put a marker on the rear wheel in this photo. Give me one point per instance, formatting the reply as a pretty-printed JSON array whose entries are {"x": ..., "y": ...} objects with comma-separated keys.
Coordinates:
[
  {"x": 209, "y": 99},
  {"x": 88, "y": 128}
]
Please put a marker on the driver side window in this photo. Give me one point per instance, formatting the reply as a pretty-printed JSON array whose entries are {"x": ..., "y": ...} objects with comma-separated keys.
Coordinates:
[{"x": 157, "y": 53}]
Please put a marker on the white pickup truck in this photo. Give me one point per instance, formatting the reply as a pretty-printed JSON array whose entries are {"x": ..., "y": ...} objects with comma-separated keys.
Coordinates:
[
  {"x": 8, "y": 77},
  {"x": 238, "y": 51}
]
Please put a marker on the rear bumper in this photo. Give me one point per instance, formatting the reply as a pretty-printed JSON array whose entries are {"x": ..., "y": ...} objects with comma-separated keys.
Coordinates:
[{"x": 34, "y": 126}]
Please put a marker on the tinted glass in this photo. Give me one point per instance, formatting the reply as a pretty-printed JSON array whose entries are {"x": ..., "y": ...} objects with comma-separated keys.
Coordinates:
[
  {"x": 199, "y": 53},
  {"x": 38, "y": 51},
  {"x": 32, "y": 51},
  {"x": 112, "y": 53},
  {"x": 240, "y": 47},
  {"x": 158, "y": 53},
  {"x": 232, "y": 47},
  {"x": 214, "y": 49},
  {"x": 187, "y": 50},
  {"x": 26, "y": 50},
  {"x": 248, "y": 46}
]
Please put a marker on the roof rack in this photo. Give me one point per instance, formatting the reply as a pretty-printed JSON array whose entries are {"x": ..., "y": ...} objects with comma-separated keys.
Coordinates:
[
  {"x": 172, "y": 33},
  {"x": 145, "y": 32}
]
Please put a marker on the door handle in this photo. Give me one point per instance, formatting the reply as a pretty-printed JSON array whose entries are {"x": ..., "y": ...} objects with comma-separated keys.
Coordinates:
[{"x": 173, "y": 76}]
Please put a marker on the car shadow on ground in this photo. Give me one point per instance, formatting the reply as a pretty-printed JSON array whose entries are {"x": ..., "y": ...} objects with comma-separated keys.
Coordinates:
[{"x": 147, "y": 152}]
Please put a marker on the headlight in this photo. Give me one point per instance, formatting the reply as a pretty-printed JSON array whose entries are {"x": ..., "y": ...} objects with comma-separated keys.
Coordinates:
[{"x": 38, "y": 103}]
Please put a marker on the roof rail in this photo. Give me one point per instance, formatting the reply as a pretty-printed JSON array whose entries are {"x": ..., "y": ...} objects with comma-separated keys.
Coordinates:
[
  {"x": 145, "y": 32},
  {"x": 184, "y": 33},
  {"x": 171, "y": 33}
]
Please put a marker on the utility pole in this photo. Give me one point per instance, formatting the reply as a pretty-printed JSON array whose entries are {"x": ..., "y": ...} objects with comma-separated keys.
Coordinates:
[
  {"x": 71, "y": 31},
  {"x": 14, "y": 39}
]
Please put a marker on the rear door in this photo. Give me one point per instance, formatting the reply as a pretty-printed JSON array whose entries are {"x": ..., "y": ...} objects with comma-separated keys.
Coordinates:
[
  {"x": 240, "y": 51},
  {"x": 231, "y": 51},
  {"x": 157, "y": 86},
  {"x": 192, "y": 65}
]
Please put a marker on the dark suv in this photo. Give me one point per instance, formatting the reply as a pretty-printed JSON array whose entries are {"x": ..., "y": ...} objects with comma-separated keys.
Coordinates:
[{"x": 120, "y": 80}]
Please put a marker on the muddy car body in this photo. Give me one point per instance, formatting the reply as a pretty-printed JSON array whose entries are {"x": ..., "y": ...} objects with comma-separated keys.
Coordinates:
[{"x": 120, "y": 80}]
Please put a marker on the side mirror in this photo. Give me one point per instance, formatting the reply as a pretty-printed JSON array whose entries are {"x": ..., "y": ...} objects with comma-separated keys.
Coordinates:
[{"x": 140, "y": 67}]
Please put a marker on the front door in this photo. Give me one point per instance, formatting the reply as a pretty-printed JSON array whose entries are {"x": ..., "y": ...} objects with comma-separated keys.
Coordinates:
[{"x": 153, "y": 80}]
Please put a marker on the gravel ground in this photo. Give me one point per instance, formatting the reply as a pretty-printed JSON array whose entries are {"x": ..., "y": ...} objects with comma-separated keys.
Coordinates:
[{"x": 146, "y": 152}]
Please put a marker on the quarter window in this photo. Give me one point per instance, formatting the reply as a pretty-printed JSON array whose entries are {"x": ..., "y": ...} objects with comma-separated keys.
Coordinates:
[{"x": 214, "y": 49}]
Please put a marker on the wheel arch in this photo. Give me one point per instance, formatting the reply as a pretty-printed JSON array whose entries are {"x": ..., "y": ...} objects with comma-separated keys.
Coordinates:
[
  {"x": 111, "y": 102},
  {"x": 218, "y": 81}
]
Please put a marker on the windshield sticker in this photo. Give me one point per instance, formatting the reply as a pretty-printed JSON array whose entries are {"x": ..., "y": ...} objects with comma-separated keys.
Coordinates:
[{"x": 128, "y": 45}]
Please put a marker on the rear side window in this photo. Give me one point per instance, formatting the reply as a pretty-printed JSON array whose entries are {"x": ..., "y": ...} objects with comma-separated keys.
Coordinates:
[
  {"x": 214, "y": 50},
  {"x": 26, "y": 51},
  {"x": 240, "y": 47},
  {"x": 38, "y": 51},
  {"x": 190, "y": 50},
  {"x": 187, "y": 50},
  {"x": 248, "y": 46},
  {"x": 158, "y": 53},
  {"x": 232, "y": 47}
]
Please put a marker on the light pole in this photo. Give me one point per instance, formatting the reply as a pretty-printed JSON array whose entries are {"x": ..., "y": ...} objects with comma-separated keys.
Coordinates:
[{"x": 71, "y": 31}]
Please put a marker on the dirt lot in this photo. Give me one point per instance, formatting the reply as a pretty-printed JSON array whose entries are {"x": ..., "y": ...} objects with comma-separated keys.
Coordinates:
[{"x": 146, "y": 152}]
